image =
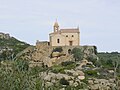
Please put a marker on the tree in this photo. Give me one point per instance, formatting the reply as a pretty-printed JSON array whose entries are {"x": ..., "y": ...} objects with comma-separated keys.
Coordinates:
[
  {"x": 21, "y": 65},
  {"x": 116, "y": 65},
  {"x": 77, "y": 54},
  {"x": 64, "y": 82}
]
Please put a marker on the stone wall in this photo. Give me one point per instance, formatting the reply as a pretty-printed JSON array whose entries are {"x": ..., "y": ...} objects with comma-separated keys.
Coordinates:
[
  {"x": 42, "y": 53},
  {"x": 88, "y": 50},
  {"x": 66, "y": 49},
  {"x": 64, "y": 39},
  {"x": 41, "y": 44}
]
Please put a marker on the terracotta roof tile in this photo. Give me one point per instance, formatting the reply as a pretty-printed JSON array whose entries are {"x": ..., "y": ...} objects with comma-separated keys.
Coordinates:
[{"x": 76, "y": 30}]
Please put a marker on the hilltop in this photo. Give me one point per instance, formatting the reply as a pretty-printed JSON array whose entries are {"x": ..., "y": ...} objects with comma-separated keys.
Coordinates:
[
  {"x": 39, "y": 67},
  {"x": 10, "y": 46}
]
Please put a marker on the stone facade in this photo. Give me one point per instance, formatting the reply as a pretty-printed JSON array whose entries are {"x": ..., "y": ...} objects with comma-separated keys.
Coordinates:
[
  {"x": 64, "y": 37},
  {"x": 67, "y": 39},
  {"x": 66, "y": 49}
]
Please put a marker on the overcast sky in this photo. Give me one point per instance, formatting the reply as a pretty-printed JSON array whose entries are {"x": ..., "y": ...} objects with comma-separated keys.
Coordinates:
[{"x": 31, "y": 20}]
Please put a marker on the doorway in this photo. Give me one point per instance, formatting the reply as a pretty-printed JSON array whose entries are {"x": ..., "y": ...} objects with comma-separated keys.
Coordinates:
[{"x": 70, "y": 43}]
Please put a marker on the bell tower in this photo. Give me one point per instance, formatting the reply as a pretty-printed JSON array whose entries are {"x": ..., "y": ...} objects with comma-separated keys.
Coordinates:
[{"x": 56, "y": 27}]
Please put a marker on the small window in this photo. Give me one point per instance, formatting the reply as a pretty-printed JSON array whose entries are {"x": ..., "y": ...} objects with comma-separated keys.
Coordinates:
[
  {"x": 66, "y": 35},
  {"x": 58, "y": 40},
  {"x": 72, "y": 35},
  {"x": 69, "y": 51}
]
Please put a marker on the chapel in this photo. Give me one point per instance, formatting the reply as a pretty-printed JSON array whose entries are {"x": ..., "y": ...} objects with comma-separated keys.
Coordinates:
[{"x": 64, "y": 37}]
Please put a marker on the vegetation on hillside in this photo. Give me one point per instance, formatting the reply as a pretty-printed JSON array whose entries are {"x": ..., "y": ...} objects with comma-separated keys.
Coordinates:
[
  {"x": 77, "y": 54},
  {"x": 17, "y": 75},
  {"x": 13, "y": 43},
  {"x": 10, "y": 47},
  {"x": 108, "y": 59}
]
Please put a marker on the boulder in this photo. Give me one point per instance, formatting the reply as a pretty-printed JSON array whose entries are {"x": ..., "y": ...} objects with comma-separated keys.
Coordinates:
[
  {"x": 94, "y": 87},
  {"x": 81, "y": 77},
  {"x": 47, "y": 78},
  {"x": 55, "y": 54},
  {"x": 75, "y": 84},
  {"x": 48, "y": 84},
  {"x": 75, "y": 73},
  {"x": 90, "y": 82},
  {"x": 71, "y": 82}
]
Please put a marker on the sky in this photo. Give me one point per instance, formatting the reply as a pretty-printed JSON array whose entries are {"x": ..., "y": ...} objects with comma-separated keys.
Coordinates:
[{"x": 31, "y": 20}]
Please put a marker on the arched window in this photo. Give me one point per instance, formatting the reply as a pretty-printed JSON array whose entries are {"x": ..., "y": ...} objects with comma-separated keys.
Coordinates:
[
  {"x": 69, "y": 51},
  {"x": 58, "y": 40}
]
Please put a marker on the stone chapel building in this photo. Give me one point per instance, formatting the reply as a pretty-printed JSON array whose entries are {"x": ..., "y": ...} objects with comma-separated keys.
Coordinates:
[{"x": 64, "y": 37}]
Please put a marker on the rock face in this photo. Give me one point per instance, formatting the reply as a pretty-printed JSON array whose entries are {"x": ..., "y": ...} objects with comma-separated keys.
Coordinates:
[
  {"x": 52, "y": 78},
  {"x": 42, "y": 53},
  {"x": 101, "y": 84},
  {"x": 84, "y": 63},
  {"x": 4, "y": 36},
  {"x": 71, "y": 77},
  {"x": 76, "y": 73}
]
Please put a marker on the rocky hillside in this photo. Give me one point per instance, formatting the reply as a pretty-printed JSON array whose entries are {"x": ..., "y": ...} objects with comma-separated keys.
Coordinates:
[
  {"x": 82, "y": 68},
  {"x": 11, "y": 46},
  {"x": 44, "y": 67}
]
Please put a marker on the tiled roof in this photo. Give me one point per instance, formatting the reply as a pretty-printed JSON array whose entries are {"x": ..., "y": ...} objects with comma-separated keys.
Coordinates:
[{"x": 76, "y": 30}]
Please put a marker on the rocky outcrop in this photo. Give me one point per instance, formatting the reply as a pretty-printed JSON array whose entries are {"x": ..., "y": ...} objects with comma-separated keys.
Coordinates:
[
  {"x": 76, "y": 73},
  {"x": 4, "y": 36},
  {"x": 73, "y": 78},
  {"x": 45, "y": 54},
  {"x": 84, "y": 63},
  {"x": 102, "y": 84}
]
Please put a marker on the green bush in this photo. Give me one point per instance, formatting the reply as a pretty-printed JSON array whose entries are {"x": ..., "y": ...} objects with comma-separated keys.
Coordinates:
[
  {"x": 92, "y": 73},
  {"x": 21, "y": 65},
  {"x": 58, "y": 69},
  {"x": 107, "y": 59},
  {"x": 77, "y": 54},
  {"x": 67, "y": 63},
  {"x": 64, "y": 82},
  {"x": 19, "y": 77},
  {"x": 92, "y": 58},
  {"x": 57, "y": 49},
  {"x": 64, "y": 66}
]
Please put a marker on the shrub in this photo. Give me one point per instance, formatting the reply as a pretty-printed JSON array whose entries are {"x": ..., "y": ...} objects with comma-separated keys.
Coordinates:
[
  {"x": 64, "y": 82},
  {"x": 58, "y": 69},
  {"x": 77, "y": 54},
  {"x": 92, "y": 58},
  {"x": 91, "y": 73},
  {"x": 67, "y": 63},
  {"x": 21, "y": 65},
  {"x": 58, "y": 49}
]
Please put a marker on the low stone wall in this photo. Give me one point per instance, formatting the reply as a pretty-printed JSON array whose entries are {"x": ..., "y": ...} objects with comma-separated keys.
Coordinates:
[{"x": 66, "y": 49}]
